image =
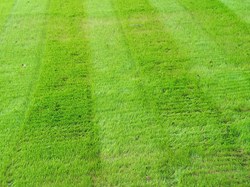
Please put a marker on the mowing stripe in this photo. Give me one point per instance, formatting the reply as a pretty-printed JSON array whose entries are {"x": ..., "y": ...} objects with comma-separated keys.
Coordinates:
[
  {"x": 21, "y": 48},
  {"x": 176, "y": 92},
  {"x": 5, "y": 11},
  {"x": 131, "y": 130},
  {"x": 224, "y": 82},
  {"x": 124, "y": 93},
  {"x": 241, "y": 7},
  {"x": 207, "y": 59},
  {"x": 59, "y": 144},
  {"x": 222, "y": 25},
  {"x": 193, "y": 107},
  {"x": 155, "y": 62},
  {"x": 226, "y": 77}
]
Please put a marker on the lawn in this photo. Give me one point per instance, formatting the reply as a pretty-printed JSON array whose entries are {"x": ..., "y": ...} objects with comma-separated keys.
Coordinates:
[{"x": 124, "y": 93}]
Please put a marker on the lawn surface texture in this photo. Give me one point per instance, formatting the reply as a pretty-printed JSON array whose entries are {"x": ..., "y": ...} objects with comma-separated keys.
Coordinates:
[{"x": 124, "y": 93}]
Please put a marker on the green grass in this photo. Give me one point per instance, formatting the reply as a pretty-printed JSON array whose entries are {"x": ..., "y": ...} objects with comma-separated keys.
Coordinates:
[{"x": 124, "y": 93}]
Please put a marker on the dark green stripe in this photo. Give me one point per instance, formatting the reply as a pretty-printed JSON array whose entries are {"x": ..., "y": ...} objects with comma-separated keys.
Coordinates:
[
  {"x": 59, "y": 144},
  {"x": 224, "y": 26},
  {"x": 191, "y": 116}
]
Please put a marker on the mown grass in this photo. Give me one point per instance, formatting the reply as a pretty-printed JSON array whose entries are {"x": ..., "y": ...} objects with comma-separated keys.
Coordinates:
[
  {"x": 241, "y": 8},
  {"x": 21, "y": 50},
  {"x": 5, "y": 9},
  {"x": 124, "y": 93},
  {"x": 57, "y": 142}
]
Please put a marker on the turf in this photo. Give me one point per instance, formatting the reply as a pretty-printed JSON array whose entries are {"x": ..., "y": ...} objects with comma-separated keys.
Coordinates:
[{"x": 124, "y": 93}]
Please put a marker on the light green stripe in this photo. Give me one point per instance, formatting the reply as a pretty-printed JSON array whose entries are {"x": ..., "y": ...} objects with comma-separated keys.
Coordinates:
[
  {"x": 224, "y": 27},
  {"x": 5, "y": 10},
  {"x": 21, "y": 48},
  {"x": 241, "y": 7},
  {"x": 126, "y": 118}
]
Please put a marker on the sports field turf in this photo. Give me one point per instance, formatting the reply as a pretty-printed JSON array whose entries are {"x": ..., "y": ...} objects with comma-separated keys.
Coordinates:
[{"x": 124, "y": 93}]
